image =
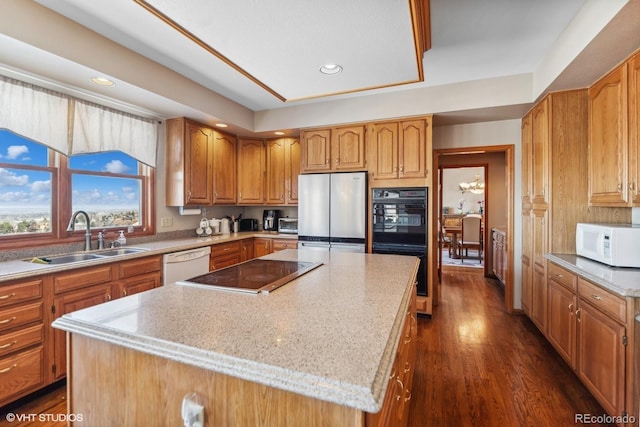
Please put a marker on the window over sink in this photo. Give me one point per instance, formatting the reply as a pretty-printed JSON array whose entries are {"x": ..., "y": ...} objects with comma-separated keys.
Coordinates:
[{"x": 40, "y": 188}]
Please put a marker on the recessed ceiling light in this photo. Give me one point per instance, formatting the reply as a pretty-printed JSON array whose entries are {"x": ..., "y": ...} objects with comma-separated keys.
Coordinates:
[
  {"x": 222, "y": 125},
  {"x": 102, "y": 81},
  {"x": 279, "y": 132},
  {"x": 330, "y": 69}
]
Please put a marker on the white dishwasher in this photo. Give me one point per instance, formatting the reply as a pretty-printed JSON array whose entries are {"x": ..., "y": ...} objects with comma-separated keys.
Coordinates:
[{"x": 185, "y": 264}]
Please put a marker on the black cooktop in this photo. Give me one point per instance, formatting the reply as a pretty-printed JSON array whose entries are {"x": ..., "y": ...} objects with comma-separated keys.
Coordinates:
[{"x": 257, "y": 275}]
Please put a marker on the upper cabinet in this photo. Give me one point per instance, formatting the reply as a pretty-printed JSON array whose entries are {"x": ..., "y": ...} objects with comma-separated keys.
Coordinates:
[
  {"x": 251, "y": 172},
  {"x": 200, "y": 165},
  {"x": 337, "y": 149},
  {"x": 398, "y": 149},
  {"x": 608, "y": 140},
  {"x": 540, "y": 152},
  {"x": 283, "y": 168}
]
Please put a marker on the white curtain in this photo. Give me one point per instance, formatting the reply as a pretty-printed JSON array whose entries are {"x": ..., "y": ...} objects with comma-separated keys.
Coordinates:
[
  {"x": 97, "y": 128},
  {"x": 35, "y": 113}
]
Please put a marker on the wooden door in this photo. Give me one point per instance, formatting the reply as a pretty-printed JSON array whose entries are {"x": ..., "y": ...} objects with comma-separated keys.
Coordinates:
[
  {"x": 251, "y": 172},
  {"x": 527, "y": 157},
  {"x": 539, "y": 269},
  {"x": 634, "y": 129},
  {"x": 246, "y": 250},
  {"x": 275, "y": 182},
  {"x": 608, "y": 144},
  {"x": 601, "y": 357},
  {"x": 527, "y": 267},
  {"x": 385, "y": 147},
  {"x": 292, "y": 170},
  {"x": 261, "y": 247},
  {"x": 66, "y": 303},
  {"x": 198, "y": 174},
  {"x": 316, "y": 150},
  {"x": 224, "y": 168},
  {"x": 412, "y": 150},
  {"x": 347, "y": 148},
  {"x": 137, "y": 284},
  {"x": 540, "y": 151},
  {"x": 561, "y": 329}
]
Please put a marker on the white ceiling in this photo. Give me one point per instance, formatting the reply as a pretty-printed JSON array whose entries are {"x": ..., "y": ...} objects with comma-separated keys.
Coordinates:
[{"x": 276, "y": 47}]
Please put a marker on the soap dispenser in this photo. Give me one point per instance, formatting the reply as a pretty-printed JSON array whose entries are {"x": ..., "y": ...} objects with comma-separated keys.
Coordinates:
[{"x": 121, "y": 239}]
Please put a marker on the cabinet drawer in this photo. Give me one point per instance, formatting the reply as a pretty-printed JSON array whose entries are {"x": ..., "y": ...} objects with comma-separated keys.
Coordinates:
[
  {"x": 224, "y": 261},
  {"x": 225, "y": 249},
  {"x": 609, "y": 303},
  {"x": 562, "y": 276},
  {"x": 279, "y": 245},
  {"x": 81, "y": 278},
  {"x": 139, "y": 266},
  {"x": 20, "y": 339},
  {"x": 22, "y": 291},
  {"x": 20, "y": 373},
  {"x": 21, "y": 315}
]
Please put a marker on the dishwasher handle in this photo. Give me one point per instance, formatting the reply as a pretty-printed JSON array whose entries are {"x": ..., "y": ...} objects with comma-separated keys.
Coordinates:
[{"x": 177, "y": 257}]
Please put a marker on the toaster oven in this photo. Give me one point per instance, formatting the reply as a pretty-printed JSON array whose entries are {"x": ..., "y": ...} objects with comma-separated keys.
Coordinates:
[{"x": 288, "y": 225}]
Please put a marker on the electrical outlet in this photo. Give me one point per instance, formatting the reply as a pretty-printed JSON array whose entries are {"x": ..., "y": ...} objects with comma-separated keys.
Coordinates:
[{"x": 166, "y": 222}]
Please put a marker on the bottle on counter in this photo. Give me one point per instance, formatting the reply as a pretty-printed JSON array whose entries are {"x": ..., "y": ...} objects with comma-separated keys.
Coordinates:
[{"x": 121, "y": 239}]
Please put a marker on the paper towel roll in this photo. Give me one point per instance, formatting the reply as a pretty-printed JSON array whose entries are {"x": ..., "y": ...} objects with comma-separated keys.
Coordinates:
[{"x": 192, "y": 211}]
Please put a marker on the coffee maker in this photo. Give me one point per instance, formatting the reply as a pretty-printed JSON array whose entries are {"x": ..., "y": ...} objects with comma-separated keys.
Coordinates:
[{"x": 270, "y": 219}]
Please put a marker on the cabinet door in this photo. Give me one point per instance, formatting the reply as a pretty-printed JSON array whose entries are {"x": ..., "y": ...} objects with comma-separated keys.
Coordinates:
[
  {"x": 292, "y": 171},
  {"x": 601, "y": 361},
  {"x": 251, "y": 172},
  {"x": 608, "y": 143},
  {"x": 540, "y": 151},
  {"x": 261, "y": 247},
  {"x": 526, "y": 159},
  {"x": 347, "y": 148},
  {"x": 66, "y": 303},
  {"x": 275, "y": 182},
  {"x": 561, "y": 330},
  {"x": 412, "y": 148},
  {"x": 198, "y": 174},
  {"x": 246, "y": 250},
  {"x": 385, "y": 146},
  {"x": 137, "y": 284},
  {"x": 224, "y": 168},
  {"x": 527, "y": 262},
  {"x": 316, "y": 150},
  {"x": 634, "y": 129},
  {"x": 539, "y": 270}
]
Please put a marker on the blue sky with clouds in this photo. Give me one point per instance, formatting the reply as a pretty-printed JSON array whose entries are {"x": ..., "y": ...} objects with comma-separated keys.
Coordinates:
[{"x": 32, "y": 189}]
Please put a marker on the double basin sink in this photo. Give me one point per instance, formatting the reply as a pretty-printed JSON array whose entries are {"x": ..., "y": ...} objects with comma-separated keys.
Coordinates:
[{"x": 85, "y": 256}]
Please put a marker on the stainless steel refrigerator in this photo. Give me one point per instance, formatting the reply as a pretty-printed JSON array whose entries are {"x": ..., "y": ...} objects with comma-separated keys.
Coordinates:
[{"x": 332, "y": 211}]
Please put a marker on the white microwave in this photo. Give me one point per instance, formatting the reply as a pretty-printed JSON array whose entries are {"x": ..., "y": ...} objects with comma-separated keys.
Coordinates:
[{"x": 617, "y": 245}]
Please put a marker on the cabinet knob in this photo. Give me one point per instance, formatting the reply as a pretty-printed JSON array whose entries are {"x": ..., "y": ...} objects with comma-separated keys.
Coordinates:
[{"x": 595, "y": 297}]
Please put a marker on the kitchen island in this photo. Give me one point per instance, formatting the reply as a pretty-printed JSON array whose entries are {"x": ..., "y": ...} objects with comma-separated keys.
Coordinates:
[{"x": 317, "y": 351}]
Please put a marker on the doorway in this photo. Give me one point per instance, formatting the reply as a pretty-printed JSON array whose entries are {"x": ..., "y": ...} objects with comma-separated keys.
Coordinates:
[
  {"x": 461, "y": 194},
  {"x": 498, "y": 207}
]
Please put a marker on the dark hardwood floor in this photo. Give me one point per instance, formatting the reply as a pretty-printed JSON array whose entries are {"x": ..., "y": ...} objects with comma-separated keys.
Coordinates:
[{"x": 478, "y": 365}]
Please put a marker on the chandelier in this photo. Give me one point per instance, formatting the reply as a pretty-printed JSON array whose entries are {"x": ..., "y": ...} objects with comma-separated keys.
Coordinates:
[{"x": 475, "y": 187}]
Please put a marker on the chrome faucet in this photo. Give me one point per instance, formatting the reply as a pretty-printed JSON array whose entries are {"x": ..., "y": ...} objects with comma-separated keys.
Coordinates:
[{"x": 87, "y": 234}]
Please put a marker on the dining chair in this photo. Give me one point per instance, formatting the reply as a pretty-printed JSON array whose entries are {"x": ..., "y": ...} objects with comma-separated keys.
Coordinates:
[{"x": 471, "y": 237}]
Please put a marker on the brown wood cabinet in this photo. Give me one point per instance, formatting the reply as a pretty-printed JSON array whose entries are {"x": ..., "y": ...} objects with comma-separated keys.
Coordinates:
[
  {"x": 246, "y": 250},
  {"x": 588, "y": 327},
  {"x": 283, "y": 168},
  {"x": 225, "y": 255},
  {"x": 22, "y": 359},
  {"x": 262, "y": 246},
  {"x": 251, "y": 172},
  {"x": 200, "y": 165},
  {"x": 282, "y": 244},
  {"x": 398, "y": 149},
  {"x": 336, "y": 149}
]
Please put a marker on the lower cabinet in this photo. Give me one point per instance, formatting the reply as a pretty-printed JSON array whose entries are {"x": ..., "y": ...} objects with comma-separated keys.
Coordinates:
[
  {"x": 395, "y": 408},
  {"x": 587, "y": 326},
  {"x": 225, "y": 255},
  {"x": 246, "y": 250},
  {"x": 282, "y": 244},
  {"x": 262, "y": 246}
]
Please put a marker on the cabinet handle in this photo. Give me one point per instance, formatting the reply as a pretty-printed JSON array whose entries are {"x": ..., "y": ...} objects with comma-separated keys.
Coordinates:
[
  {"x": 3, "y": 297},
  {"x": 578, "y": 311},
  {"x": 619, "y": 187},
  {"x": 571, "y": 308},
  {"x": 124, "y": 292},
  {"x": 241, "y": 195},
  {"x": 337, "y": 161},
  {"x": 407, "y": 367},
  {"x": 395, "y": 169},
  {"x": 559, "y": 275},
  {"x": 408, "y": 398},
  {"x": 398, "y": 381},
  {"x": 5, "y": 370},
  {"x": 7, "y": 345},
  {"x": 108, "y": 297},
  {"x": 595, "y": 297},
  {"x": 632, "y": 187},
  {"x": 5, "y": 321},
  {"x": 401, "y": 168}
]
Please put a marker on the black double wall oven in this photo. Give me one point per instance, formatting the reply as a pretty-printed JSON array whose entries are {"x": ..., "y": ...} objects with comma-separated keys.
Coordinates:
[{"x": 400, "y": 225}]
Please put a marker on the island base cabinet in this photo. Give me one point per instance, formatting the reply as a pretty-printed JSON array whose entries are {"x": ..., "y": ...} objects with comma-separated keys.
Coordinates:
[{"x": 123, "y": 387}]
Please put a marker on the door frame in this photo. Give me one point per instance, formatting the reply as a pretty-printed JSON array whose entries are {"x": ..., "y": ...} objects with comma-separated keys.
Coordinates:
[{"x": 509, "y": 153}]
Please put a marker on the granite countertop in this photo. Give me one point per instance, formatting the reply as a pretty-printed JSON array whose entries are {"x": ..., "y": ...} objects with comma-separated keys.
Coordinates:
[
  {"x": 330, "y": 334},
  {"x": 622, "y": 281},
  {"x": 19, "y": 269}
]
